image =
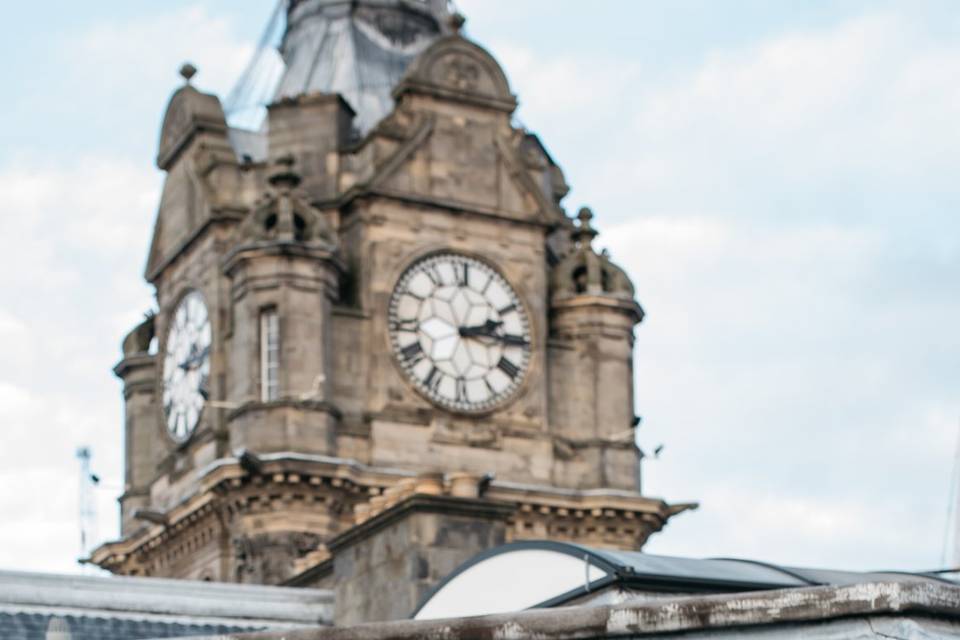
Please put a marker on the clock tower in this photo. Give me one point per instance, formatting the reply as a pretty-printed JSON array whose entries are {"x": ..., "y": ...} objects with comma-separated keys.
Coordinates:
[{"x": 374, "y": 309}]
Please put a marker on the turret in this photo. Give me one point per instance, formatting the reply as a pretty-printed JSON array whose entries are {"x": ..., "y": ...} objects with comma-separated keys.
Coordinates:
[
  {"x": 593, "y": 313},
  {"x": 284, "y": 272},
  {"x": 142, "y": 446}
]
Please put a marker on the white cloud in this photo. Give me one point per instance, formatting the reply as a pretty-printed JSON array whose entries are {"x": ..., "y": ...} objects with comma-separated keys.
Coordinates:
[
  {"x": 10, "y": 324},
  {"x": 74, "y": 235},
  {"x": 812, "y": 412},
  {"x": 866, "y": 98},
  {"x": 548, "y": 89},
  {"x": 146, "y": 52},
  {"x": 792, "y": 240}
]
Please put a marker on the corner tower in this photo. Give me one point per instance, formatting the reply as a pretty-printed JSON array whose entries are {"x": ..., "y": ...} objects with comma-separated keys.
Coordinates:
[{"x": 373, "y": 312}]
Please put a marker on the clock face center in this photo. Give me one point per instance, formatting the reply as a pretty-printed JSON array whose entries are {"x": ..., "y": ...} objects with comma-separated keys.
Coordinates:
[
  {"x": 459, "y": 332},
  {"x": 186, "y": 366}
]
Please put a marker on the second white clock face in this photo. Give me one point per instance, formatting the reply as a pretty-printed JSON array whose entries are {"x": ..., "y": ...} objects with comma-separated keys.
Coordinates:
[
  {"x": 460, "y": 332},
  {"x": 186, "y": 366}
]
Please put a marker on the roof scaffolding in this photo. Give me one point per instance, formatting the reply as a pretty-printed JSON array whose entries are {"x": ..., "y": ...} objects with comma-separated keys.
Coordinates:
[{"x": 359, "y": 49}]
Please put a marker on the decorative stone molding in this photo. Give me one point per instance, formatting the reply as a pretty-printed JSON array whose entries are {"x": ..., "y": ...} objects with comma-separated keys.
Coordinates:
[
  {"x": 455, "y": 69},
  {"x": 189, "y": 112},
  {"x": 288, "y": 484},
  {"x": 284, "y": 214},
  {"x": 585, "y": 272}
]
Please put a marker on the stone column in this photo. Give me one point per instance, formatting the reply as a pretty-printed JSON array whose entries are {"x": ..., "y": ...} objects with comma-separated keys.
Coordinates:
[{"x": 143, "y": 448}]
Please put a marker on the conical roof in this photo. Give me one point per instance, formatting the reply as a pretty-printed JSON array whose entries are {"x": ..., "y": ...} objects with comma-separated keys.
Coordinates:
[{"x": 357, "y": 48}]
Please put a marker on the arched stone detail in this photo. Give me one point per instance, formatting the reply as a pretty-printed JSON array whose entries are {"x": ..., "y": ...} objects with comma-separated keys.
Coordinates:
[
  {"x": 457, "y": 69},
  {"x": 188, "y": 113}
]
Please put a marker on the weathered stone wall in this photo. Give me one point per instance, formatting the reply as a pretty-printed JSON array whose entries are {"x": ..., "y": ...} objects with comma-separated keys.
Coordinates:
[{"x": 385, "y": 567}]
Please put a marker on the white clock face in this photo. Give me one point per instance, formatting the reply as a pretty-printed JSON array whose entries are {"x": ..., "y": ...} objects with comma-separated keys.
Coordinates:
[
  {"x": 459, "y": 332},
  {"x": 186, "y": 366}
]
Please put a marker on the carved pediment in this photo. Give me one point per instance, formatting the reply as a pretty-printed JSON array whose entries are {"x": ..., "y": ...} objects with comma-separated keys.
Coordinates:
[
  {"x": 188, "y": 113},
  {"x": 456, "y": 69}
]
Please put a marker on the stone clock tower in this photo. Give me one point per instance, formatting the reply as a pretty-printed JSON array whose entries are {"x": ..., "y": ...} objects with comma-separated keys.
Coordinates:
[{"x": 374, "y": 315}]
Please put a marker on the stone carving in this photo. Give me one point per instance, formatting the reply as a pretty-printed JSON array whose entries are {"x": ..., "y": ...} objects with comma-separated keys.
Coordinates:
[
  {"x": 462, "y": 73},
  {"x": 284, "y": 214},
  {"x": 269, "y": 558},
  {"x": 459, "y": 69},
  {"x": 584, "y": 271}
]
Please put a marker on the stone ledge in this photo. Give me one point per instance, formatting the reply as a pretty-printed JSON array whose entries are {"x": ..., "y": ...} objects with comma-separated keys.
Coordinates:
[{"x": 732, "y": 614}]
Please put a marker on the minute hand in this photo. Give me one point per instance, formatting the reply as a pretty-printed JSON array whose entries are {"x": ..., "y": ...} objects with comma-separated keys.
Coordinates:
[
  {"x": 511, "y": 340},
  {"x": 508, "y": 339},
  {"x": 194, "y": 359},
  {"x": 484, "y": 330}
]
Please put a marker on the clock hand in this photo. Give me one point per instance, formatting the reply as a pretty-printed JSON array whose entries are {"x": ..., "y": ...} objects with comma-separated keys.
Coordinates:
[
  {"x": 193, "y": 359},
  {"x": 486, "y": 330},
  {"x": 511, "y": 340},
  {"x": 483, "y": 330}
]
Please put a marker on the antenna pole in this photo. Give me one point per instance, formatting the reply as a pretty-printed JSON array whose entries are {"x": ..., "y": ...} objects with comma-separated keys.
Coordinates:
[{"x": 86, "y": 502}]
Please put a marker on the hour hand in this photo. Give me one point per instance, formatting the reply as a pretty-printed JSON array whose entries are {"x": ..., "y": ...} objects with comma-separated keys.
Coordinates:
[
  {"x": 194, "y": 359},
  {"x": 485, "y": 329}
]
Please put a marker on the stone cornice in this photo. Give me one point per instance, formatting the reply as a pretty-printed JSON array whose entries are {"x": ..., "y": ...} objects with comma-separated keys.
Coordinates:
[
  {"x": 312, "y": 251},
  {"x": 225, "y": 478},
  {"x": 318, "y": 406},
  {"x": 136, "y": 361},
  {"x": 605, "y": 302}
]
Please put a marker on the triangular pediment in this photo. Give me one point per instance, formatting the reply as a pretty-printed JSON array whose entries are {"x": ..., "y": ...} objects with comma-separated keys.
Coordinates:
[{"x": 470, "y": 163}]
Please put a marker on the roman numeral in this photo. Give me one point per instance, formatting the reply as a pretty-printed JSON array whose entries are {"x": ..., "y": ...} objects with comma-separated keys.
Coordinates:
[
  {"x": 434, "y": 274},
  {"x": 508, "y": 368},
  {"x": 433, "y": 379},
  {"x": 463, "y": 273},
  {"x": 404, "y": 325},
  {"x": 412, "y": 353},
  {"x": 507, "y": 309},
  {"x": 462, "y": 390}
]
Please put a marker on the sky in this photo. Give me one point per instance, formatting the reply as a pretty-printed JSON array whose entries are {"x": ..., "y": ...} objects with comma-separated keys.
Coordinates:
[{"x": 778, "y": 178}]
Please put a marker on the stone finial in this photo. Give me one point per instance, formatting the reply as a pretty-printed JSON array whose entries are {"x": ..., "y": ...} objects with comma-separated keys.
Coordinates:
[
  {"x": 457, "y": 20},
  {"x": 187, "y": 71},
  {"x": 584, "y": 270},
  {"x": 585, "y": 232}
]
